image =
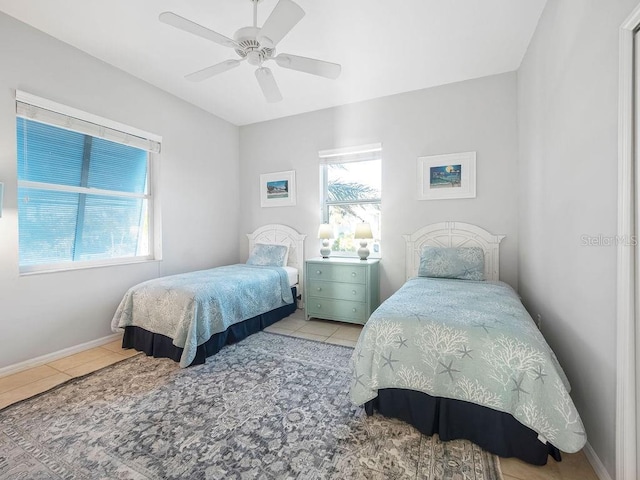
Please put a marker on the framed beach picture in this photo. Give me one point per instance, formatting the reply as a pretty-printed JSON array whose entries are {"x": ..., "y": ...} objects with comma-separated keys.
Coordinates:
[
  {"x": 278, "y": 189},
  {"x": 447, "y": 176}
]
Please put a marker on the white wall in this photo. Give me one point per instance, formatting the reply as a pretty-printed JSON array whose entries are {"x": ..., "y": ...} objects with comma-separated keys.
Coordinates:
[
  {"x": 566, "y": 108},
  {"x": 40, "y": 314},
  {"x": 476, "y": 115},
  {"x": 567, "y": 105}
]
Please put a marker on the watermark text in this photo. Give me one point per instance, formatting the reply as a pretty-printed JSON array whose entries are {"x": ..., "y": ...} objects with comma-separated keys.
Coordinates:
[{"x": 608, "y": 240}]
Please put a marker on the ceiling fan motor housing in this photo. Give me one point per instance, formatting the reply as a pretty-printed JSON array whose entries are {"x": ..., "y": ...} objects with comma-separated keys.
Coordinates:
[{"x": 250, "y": 47}]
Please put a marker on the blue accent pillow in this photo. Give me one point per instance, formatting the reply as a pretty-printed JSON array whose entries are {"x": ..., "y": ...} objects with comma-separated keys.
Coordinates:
[
  {"x": 463, "y": 263},
  {"x": 269, "y": 255}
]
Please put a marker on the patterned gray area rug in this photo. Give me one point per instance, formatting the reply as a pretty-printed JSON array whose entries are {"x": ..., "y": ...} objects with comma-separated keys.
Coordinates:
[{"x": 269, "y": 407}]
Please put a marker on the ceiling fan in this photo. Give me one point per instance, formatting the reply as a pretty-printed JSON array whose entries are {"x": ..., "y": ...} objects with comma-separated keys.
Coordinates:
[{"x": 256, "y": 46}]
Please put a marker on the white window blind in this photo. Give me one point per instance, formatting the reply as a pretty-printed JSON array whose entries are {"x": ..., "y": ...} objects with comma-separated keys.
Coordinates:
[{"x": 352, "y": 154}]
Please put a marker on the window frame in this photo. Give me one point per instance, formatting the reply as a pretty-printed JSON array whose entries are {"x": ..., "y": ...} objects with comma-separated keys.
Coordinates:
[
  {"x": 47, "y": 112},
  {"x": 361, "y": 153}
]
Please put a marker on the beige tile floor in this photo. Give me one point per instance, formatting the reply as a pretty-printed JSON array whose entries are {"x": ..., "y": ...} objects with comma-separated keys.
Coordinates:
[
  {"x": 25, "y": 384},
  {"x": 28, "y": 383}
]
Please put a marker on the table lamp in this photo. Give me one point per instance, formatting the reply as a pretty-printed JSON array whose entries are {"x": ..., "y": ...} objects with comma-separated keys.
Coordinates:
[
  {"x": 363, "y": 232},
  {"x": 325, "y": 232}
]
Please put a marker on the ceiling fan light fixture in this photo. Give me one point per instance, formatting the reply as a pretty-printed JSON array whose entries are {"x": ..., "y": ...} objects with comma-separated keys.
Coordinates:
[
  {"x": 256, "y": 46},
  {"x": 255, "y": 58}
]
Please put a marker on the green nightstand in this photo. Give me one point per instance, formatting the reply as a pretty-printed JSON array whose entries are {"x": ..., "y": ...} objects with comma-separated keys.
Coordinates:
[{"x": 344, "y": 289}]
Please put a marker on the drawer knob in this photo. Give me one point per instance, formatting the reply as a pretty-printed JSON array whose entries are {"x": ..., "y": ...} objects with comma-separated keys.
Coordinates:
[
  {"x": 318, "y": 305},
  {"x": 319, "y": 289},
  {"x": 354, "y": 292},
  {"x": 353, "y": 274},
  {"x": 318, "y": 272},
  {"x": 354, "y": 310}
]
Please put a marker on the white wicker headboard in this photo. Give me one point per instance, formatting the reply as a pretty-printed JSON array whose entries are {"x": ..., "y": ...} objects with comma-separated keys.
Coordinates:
[
  {"x": 282, "y": 235},
  {"x": 453, "y": 234}
]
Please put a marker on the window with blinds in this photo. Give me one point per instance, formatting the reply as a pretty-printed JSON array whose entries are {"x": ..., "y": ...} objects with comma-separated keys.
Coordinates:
[
  {"x": 85, "y": 192},
  {"x": 351, "y": 193}
]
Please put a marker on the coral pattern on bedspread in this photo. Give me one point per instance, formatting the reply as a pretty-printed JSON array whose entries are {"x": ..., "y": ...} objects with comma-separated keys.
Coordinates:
[
  {"x": 471, "y": 341},
  {"x": 191, "y": 307}
]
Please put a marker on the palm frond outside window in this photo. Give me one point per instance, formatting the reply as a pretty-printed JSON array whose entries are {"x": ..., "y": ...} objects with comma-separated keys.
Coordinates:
[{"x": 351, "y": 193}]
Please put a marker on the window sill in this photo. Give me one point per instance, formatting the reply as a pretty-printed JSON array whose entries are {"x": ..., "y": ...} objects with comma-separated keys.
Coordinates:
[{"x": 68, "y": 267}]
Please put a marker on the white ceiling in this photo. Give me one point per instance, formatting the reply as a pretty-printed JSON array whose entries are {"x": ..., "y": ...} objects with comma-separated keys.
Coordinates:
[{"x": 385, "y": 47}]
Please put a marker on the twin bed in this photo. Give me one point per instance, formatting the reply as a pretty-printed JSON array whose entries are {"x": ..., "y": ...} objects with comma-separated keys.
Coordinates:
[
  {"x": 191, "y": 316},
  {"x": 452, "y": 352}
]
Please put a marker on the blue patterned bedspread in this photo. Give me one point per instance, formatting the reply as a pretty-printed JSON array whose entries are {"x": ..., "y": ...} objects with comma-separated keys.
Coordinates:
[
  {"x": 471, "y": 341},
  {"x": 191, "y": 307}
]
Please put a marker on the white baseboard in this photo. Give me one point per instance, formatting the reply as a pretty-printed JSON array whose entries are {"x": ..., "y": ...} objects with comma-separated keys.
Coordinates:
[
  {"x": 595, "y": 462},
  {"x": 50, "y": 357}
]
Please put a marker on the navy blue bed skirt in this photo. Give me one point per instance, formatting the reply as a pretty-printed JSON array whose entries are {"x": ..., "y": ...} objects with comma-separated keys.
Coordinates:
[
  {"x": 161, "y": 346},
  {"x": 497, "y": 432}
]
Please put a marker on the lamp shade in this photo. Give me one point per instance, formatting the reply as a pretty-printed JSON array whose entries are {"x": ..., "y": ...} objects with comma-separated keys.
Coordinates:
[
  {"x": 363, "y": 230},
  {"x": 325, "y": 231}
]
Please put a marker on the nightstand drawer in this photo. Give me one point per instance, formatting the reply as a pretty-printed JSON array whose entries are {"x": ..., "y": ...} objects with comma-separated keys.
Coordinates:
[
  {"x": 342, "y": 291},
  {"x": 338, "y": 273},
  {"x": 339, "y": 309}
]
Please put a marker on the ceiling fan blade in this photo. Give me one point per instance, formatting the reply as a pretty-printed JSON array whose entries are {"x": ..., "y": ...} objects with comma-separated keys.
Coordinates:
[
  {"x": 213, "y": 70},
  {"x": 268, "y": 85},
  {"x": 182, "y": 23},
  {"x": 309, "y": 65},
  {"x": 282, "y": 19}
]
